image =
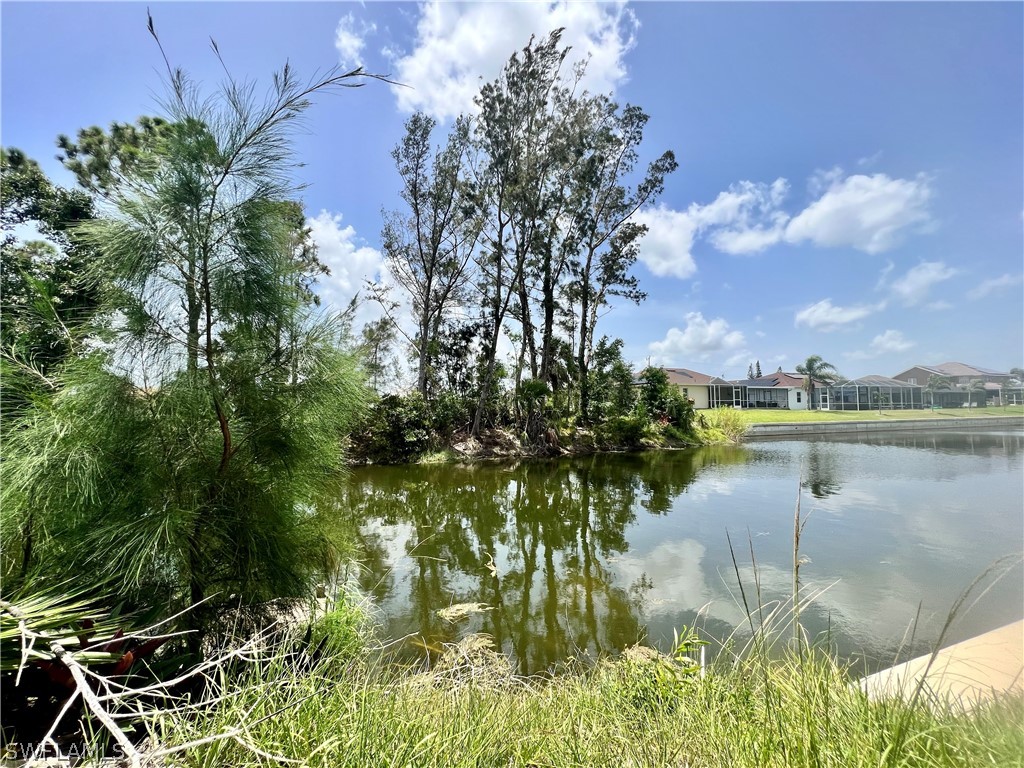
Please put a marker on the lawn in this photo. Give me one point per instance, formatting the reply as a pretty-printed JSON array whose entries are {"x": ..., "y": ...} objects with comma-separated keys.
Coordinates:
[{"x": 773, "y": 416}]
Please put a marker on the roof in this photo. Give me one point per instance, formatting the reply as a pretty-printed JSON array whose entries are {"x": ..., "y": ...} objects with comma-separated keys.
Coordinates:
[
  {"x": 957, "y": 369},
  {"x": 877, "y": 381},
  {"x": 684, "y": 377},
  {"x": 777, "y": 379}
]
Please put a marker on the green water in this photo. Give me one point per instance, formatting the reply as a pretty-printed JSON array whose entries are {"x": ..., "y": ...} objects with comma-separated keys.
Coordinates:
[{"x": 582, "y": 557}]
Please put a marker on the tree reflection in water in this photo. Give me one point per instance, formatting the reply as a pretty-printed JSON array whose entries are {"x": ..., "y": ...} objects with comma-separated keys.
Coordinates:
[
  {"x": 584, "y": 556},
  {"x": 531, "y": 540}
]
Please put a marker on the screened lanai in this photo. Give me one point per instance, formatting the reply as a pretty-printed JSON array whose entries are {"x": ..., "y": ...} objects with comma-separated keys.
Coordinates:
[{"x": 871, "y": 393}]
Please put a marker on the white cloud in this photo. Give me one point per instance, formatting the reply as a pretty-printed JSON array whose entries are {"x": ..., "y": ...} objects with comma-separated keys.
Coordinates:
[
  {"x": 459, "y": 46},
  {"x": 870, "y": 159},
  {"x": 884, "y": 343},
  {"x": 665, "y": 249},
  {"x": 743, "y": 219},
  {"x": 914, "y": 286},
  {"x": 350, "y": 264},
  {"x": 986, "y": 287},
  {"x": 350, "y": 39},
  {"x": 890, "y": 341},
  {"x": 869, "y": 213},
  {"x": 938, "y": 306},
  {"x": 826, "y": 316},
  {"x": 697, "y": 341},
  {"x": 750, "y": 216}
]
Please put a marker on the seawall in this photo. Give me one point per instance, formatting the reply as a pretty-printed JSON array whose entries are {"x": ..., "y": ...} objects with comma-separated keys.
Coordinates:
[{"x": 755, "y": 431}]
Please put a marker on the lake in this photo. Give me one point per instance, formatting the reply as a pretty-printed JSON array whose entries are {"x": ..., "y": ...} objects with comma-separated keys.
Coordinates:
[{"x": 582, "y": 557}]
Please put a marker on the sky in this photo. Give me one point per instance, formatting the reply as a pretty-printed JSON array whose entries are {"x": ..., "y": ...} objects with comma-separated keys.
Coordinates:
[{"x": 850, "y": 182}]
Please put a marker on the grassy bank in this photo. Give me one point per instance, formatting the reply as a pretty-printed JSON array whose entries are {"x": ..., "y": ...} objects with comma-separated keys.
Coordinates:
[
  {"x": 641, "y": 711},
  {"x": 718, "y": 425},
  {"x": 775, "y": 416}
]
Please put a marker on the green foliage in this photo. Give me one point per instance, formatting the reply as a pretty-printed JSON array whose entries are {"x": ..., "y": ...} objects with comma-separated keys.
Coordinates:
[
  {"x": 396, "y": 430},
  {"x": 45, "y": 296},
  {"x": 378, "y": 340},
  {"x": 623, "y": 431},
  {"x": 744, "y": 713},
  {"x": 103, "y": 161},
  {"x": 428, "y": 247},
  {"x": 342, "y": 631},
  {"x": 612, "y": 388},
  {"x": 450, "y": 413},
  {"x": 815, "y": 369},
  {"x": 720, "y": 425},
  {"x": 663, "y": 401},
  {"x": 184, "y": 461},
  {"x": 654, "y": 684}
]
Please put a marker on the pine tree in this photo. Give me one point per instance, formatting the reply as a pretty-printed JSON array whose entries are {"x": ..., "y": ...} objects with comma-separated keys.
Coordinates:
[{"x": 180, "y": 469}]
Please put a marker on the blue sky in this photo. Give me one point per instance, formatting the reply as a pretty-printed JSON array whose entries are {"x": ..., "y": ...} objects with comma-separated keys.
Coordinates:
[{"x": 851, "y": 179}]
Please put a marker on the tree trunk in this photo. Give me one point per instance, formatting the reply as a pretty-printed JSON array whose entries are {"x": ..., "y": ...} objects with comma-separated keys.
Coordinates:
[
  {"x": 423, "y": 351},
  {"x": 194, "y": 311},
  {"x": 581, "y": 353},
  {"x": 548, "y": 329}
]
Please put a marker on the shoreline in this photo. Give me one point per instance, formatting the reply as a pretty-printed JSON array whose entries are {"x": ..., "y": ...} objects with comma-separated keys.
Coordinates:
[
  {"x": 499, "y": 446},
  {"x": 798, "y": 429}
]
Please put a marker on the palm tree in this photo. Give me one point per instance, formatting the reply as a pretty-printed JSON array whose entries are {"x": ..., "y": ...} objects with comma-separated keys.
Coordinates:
[
  {"x": 935, "y": 384},
  {"x": 974, "y": 385},
  {"x": 815, "y": 368},
  {"x": 1011, "y": 385}
]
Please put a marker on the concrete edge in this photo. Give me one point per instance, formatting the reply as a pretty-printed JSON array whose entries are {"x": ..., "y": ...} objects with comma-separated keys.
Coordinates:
[{"x": 896, "y": 425}]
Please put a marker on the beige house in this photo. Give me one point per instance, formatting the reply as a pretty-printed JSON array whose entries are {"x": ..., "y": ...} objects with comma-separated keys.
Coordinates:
[{"x": 702, "y": 390}]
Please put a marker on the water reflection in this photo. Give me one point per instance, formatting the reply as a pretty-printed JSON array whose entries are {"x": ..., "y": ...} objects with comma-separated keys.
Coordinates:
[{"x": 590, "y": 555}]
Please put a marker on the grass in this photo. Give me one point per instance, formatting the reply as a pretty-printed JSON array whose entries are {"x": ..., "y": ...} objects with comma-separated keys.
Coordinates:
[
  {"x": 766, "y": 705},
  {"x": 800, "y": 710},
  {"x": 774, "y": 416},
  {"x": 720, "y": 425}
]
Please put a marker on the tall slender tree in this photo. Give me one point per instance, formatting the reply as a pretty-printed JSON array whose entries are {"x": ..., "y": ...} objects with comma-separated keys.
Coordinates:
[
  {"x": 428, "y": 247},
  {"x": 509, "y": 138},
  {"x": 609, "y": 242}
]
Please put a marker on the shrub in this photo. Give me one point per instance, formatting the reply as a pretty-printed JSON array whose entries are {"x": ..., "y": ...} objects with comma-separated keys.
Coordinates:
[
  {"x": 623, "y": 431},
  {"x": 449, "y": 413},
  {"x": 663, "y": 401},
  {"x": 721, "y": 425},
  {"x": 342, "y": 630},
  {"x": 396, "y": 430}
]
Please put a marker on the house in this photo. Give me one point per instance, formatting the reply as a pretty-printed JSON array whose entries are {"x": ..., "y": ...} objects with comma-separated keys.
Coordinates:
[
  {"x": 703, "y": 390},
  {"x": 871, "y": 392},
  {"x": 955, "y": 373},
  {"x": 958, "y": 375},
  {"x": 775, "y": 390}
]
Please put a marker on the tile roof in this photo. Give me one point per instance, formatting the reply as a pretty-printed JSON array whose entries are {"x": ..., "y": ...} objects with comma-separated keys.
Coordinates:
[
  {"x": 683, "y": 377},
  {"x": 960, "y": 369},
  {"x": 877, "y": 381},
  {"x": 777, "y": 379}
]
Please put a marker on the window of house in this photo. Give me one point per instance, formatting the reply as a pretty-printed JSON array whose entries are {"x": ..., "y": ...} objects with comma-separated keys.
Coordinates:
[
  {"x": 799, "y": 394},
  {"x": 911, "y": 380}
]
